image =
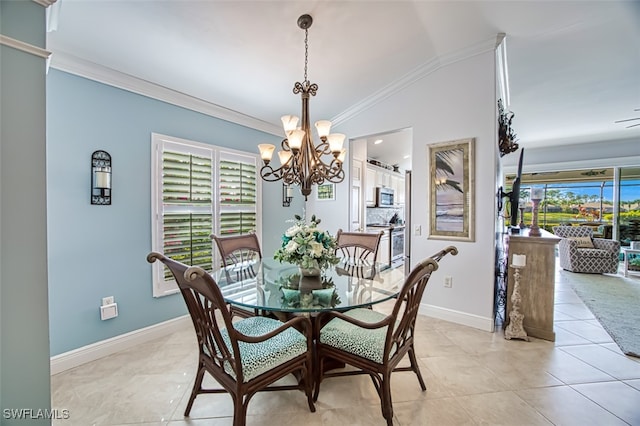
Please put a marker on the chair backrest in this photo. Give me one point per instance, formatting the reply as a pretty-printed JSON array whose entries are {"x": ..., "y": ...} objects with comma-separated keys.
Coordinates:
[
  {"x": 407, "y": 304},
  {"x": 209, "y": 314},
  {"x": 572, "y": 231},
  {"x": 238, "y": 248},
  {"x": 358, "y": 245}
]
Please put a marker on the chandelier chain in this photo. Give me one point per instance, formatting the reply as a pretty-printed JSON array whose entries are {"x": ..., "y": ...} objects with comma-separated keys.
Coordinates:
[{"x": 306, "y": 54}]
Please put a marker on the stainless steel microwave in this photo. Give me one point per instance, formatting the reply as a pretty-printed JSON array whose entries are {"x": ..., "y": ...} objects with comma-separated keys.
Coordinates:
[{"x": 384, "y": 197}]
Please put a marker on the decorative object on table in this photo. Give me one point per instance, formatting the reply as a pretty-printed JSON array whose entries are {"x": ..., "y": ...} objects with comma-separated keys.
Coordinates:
[
  {"x": 101, "y": 178},
  {"x": 515, "y": 329},
  {"x": 301, "y": 162},
  {"x": 308, "y": 246},
  {"x": 537, "y": 194},
  {"x": 506, "y": 135},
  {"x": 308, "y": 292},
  {"x": 287, "y": 195},
  {"x": 452, "y": 190},
  {"x": 521, "y": 208}
]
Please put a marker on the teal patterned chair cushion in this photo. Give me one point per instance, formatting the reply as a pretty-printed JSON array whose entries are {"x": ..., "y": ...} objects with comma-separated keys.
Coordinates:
[
  {"x": 356, "y": 340},
  {"x": 258, "y": 358}
]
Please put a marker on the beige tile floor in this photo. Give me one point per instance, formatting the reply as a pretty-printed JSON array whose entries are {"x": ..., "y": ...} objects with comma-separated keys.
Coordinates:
[{"x": 473, "y": 378}]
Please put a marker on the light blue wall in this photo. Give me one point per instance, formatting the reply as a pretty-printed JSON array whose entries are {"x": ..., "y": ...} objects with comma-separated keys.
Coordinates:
[
  {"x": 98, "y": 251},
  {"x": 24, "y": 331}
]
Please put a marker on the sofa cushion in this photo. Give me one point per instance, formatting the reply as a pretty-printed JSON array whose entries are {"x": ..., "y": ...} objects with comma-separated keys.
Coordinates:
[{"x": 583, "y": 242}]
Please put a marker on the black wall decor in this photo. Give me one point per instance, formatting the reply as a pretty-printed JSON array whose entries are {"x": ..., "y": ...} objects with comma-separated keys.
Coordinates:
[
  {"x": 506, "y": 135},
  {"x": 101, "y": 178}
]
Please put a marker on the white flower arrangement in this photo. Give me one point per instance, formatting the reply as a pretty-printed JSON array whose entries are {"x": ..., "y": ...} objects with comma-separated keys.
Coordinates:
[{"x": 307, "y": 246}]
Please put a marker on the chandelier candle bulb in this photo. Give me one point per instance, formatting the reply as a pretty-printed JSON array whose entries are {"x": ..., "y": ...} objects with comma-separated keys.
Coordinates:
[
  {"x": 519, "y": 261},
  {"x": 342, "y": 155},
  {"x": 289, "y": 123},
  {"x": 284, "y": 157},
  {"x": 295, "y": 139},
  {"x": 266, "y": 151},
  {"x": 335, "y": 142},
  {"x": 323, "y": 128}
]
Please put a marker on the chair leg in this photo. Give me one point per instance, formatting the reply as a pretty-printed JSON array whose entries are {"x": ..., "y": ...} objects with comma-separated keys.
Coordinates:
[
  {"x": 240, "y": 410},
  {"x": 415, "y": 368},
  {"x": 385, "y": 397},
  {"x": 318, "y": 376},
  {"x": 197, "y": 386},
  {"x": 308, "y": 387}
]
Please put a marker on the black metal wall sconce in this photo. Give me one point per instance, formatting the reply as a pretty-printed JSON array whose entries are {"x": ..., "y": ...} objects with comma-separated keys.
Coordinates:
[
  {"x": 101, "y": 178},
  {"x": 287, "y": 195}
]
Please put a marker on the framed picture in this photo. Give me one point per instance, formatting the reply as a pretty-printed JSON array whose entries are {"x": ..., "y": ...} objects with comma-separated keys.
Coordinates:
[
  {"x": 326, "y": 191},
  {"x": 451, "y": 195}
]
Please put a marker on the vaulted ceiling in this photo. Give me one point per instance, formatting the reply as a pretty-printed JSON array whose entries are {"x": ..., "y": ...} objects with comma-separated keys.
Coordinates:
[{"x": 574, "y": 66}]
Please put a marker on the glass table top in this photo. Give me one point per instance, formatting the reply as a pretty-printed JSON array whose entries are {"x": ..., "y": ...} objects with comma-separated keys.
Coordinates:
[{"x": 273, "y": 286}]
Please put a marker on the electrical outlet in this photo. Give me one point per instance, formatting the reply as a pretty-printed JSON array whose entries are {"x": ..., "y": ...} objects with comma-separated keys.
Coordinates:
[
  {"x": 448, "y": 281},
  {"x": 110, "y": 300}
]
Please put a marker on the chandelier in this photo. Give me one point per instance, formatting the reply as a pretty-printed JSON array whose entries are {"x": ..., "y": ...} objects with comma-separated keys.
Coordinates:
[{"x": 301, "y": 162}]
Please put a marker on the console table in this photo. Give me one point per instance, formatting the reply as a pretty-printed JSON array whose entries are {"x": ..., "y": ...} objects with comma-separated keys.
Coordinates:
[{"x": 537, "y": 281}]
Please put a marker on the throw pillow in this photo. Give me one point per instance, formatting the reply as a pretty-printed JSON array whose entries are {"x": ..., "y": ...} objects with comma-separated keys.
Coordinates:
[{"x": 583, "y": 242}]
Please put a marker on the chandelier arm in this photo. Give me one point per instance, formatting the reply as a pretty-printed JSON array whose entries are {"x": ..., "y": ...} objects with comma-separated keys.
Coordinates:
[{"x": 270, "y": 174}]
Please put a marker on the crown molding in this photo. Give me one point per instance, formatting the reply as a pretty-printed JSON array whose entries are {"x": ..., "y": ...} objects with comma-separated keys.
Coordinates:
[
  {"x": 411, "y": 77},
  {"x": 92, "y": 71},
  {"x": 24, "y": 47},
  {"x": 45, "y": 3}
]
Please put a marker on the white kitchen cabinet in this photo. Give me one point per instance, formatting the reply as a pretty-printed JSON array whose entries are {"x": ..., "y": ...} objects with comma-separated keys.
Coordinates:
[
  {"x": 383, "y": 179},
  {"x": 384, "y": 249},
  {"x": 397, "y": 183},
  {"x": 370, "y": 187}
]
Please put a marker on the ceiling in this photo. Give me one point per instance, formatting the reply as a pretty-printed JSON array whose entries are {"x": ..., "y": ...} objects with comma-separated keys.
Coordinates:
[{"x": 573, "y": 66}]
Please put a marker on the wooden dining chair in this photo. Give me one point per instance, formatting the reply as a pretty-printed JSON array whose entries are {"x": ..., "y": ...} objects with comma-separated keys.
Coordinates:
[
  {"x": 360, "y": 246},
  {"x": 242, "y": 251},
  {"x": 372, "y": 342},
  {"x": 245, "y": 356},
  {"x": 238, "y": 249}
]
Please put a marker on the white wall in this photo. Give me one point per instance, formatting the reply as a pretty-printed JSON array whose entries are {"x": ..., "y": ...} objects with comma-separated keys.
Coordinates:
[{"x": 455, "y": 102}]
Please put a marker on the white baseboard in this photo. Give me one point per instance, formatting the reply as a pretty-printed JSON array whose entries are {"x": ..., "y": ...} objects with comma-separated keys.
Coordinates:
[
  {"x": 94, "y": 351},
  {"x": 475, "y": 321}
]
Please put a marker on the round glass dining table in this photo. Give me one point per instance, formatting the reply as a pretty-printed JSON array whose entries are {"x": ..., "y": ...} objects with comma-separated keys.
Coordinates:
[{"x": 269, "y": 285}]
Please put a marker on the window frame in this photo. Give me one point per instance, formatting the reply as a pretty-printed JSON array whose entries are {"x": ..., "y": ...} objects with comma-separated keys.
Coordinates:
[{"x": 160, "y": 143}]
